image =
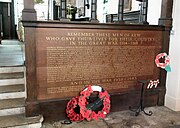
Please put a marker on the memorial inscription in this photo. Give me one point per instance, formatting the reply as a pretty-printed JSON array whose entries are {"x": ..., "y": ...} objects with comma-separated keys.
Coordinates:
[{"x": 67, "y": 60}]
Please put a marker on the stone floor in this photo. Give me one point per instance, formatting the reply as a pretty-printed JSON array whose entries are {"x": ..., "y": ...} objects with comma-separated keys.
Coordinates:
[{"x": 162, "y": 118}]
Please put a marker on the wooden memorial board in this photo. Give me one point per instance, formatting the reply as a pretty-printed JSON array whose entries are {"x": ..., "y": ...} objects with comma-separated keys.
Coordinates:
[{"x": 62, "y": 58}]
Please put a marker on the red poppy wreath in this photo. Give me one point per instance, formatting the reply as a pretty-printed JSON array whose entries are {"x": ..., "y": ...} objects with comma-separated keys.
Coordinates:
[
  {"x": 73, "y": 110},
  {"x": 166, "y": 61},
  {"x": 97, "y": 109}
]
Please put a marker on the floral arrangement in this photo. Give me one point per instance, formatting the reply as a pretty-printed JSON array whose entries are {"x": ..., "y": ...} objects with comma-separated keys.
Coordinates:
[
  {"x": 153, "y": 83},
  {"x": 72, "y": 110},
  {"x": 89, "y": 110},
  {"x": 165, "y": 65}
]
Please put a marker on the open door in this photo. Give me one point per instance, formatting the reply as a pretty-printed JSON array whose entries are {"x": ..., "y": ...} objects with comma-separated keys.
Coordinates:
[{"x": 7, "y": 24}]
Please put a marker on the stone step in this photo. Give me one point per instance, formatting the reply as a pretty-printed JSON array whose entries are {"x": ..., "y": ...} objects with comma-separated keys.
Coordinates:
[
  {"x": 13, "y": 75},
  {"x": 12, "y": 111},
  {"x": 12, "y": 103},
  {"x": 12, "y": 72},
  {"x": 11, "y": 55},
  {"x": 12, "y": 106},
  {"x": 11, "y": 42},
  {"x": 12, "y": 81},
  {"x": 11, "y": 61},
  {"x": 12, "y": 88},
  {"x": 20, "y": 121},
  {"x": 9, "y": 49},
  {"x": 12, "y": 69},
  {"x": 12, "y": 95}
]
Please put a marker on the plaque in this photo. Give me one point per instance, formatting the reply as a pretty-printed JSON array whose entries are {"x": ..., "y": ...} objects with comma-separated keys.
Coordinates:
[{"x": 69, "y": 59}]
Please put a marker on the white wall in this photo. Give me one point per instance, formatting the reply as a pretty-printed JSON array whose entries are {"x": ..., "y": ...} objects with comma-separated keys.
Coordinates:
[
  {"x": 18, "y": 7},
  {"x": 135, "y": 5},
  {"x": 112, "y": 7},
  {"x": 42, "y": 10},
  {"x": 172, "y": 99},
  {"x": 100, "y": 11},
  {"x": 154, "y": 11}
]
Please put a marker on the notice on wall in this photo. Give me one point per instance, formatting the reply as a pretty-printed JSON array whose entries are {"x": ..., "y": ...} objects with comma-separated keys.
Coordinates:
[{"x": 69, "y": 59}]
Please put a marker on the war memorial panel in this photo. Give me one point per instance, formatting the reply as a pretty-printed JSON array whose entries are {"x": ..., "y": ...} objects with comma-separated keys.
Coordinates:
[{"x": 69, "y": 59}]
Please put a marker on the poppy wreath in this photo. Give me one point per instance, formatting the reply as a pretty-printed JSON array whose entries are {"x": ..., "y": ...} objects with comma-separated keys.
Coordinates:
[
  {"x": 88, "y": 110},
  {"x": 166, "y": 61},
  {"x": 73, "y": 110}
]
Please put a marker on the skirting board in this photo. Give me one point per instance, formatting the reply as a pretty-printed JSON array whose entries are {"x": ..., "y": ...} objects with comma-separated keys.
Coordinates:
[{"x": 172, "y": 103}]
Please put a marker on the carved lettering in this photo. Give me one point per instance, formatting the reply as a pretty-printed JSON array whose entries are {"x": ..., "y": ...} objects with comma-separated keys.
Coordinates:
[{"x": 76, "y": 58}]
